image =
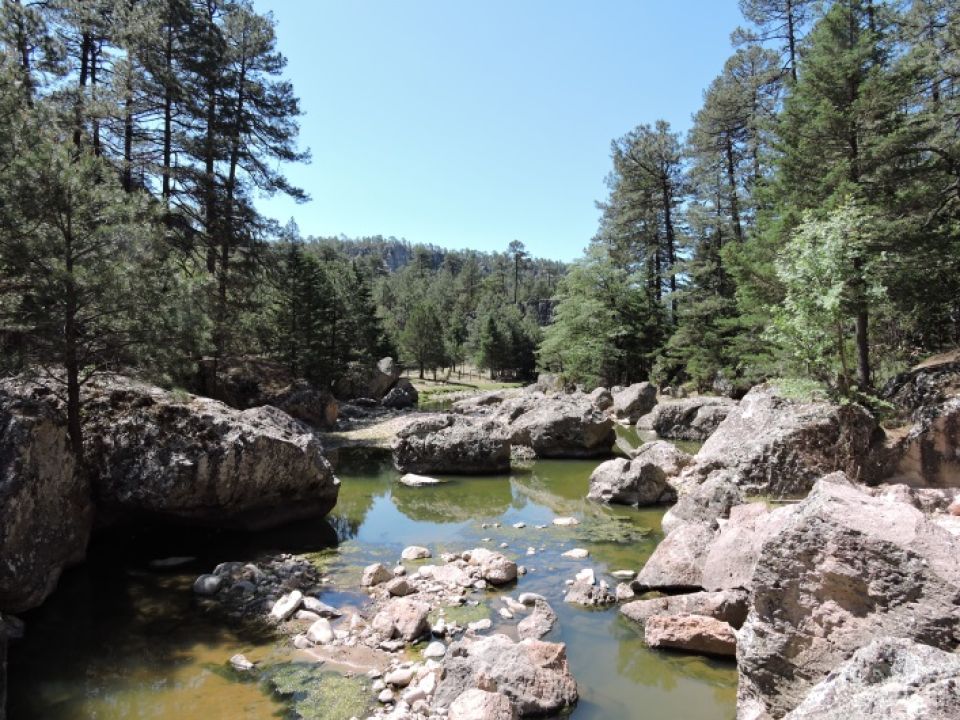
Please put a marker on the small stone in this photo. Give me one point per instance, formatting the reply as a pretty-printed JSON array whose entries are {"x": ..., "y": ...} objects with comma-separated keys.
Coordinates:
[
  {"x": 400, "y": 677},
  {"x": 624, "y": 592},
  {"x": 576, "y": 553},
  {"x": 286, "y": 606},
  {"x": 415, "y": 552},
  {"x": 385, "y": 696},
  {"x": 529, "y": 598},
  {"x": 321, "y": 632},
  {"x": 519, "y": 525},
  {"x": 414, "y": 480},
  {"x": 379, "y": 685},
  {"x": 374, "y": 575},
  {"x": 624, "y": 574},
  {"x": 541, "y": 527},
  {"x": 320, "y": 608},
  {"x": 399, "y": 587},
  {"x": 207, "y": 584},
  {"x": 531, "y": 551},
  {"x": 504, "y": 545},
  {"x": 240, "y": 662},
  {"x": 565, "y": 521},
  {"x": 399, "y": 571},
  {"x": 586, "y": 576},
  {"x": 300, "y": 642},
  {"x": 306, "y": 616},
  {"x": 435, "y": 650},
  {"x": 505, "y": 614},
  {"x": 480, "y": 625}
]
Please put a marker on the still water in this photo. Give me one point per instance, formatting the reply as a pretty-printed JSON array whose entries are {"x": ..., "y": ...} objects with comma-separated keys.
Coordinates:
[{"x": 123, "y": 639}]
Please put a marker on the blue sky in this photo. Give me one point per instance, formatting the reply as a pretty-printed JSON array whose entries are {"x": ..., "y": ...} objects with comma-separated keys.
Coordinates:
[{"x": 469, "y": 124}]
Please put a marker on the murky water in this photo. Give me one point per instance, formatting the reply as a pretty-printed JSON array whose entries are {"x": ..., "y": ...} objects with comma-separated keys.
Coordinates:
[{"x": 122, "y": 638}]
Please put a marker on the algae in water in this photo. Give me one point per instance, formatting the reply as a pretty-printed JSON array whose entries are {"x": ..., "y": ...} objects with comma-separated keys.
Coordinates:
[{"x": 318, "y": 695}]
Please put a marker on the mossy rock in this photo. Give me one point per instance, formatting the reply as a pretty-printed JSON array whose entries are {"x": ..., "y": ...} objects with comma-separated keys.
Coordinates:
[{"x": 315, "y": 694}]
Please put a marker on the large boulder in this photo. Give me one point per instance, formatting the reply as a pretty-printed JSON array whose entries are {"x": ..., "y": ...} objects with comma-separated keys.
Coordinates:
[
  {"x": 45, "y": 498},
  {"x": 844, "y": 569},
  {"x": 632, "y": 402},
  {"x": 770, "y": 444},
  {"x": 403, "y": 618},
  {"x": 729, "y": 606},
  {"x": 179, "y": 457},
  {"x": 691, "y": 633},
  {"x": 665, "y": 455},
  {"x": 533, "y": 674},
  {"x": 924, "y": 453},
  {"x": 691, "y": 418},
  {"x": 452, "y": 444},
  {"x": 402, "y": 395},
  {"x": 557, "y": 426},
  {"x": 252, "y": 381},
  {"x": 705, "y": 503},
  {"x": 630, "y": 482},
  {"x": 889, "y": 679},
  {"x": 677, "y": 563}
]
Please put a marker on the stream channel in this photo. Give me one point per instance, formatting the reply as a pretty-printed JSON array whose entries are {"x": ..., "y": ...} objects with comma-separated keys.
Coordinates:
[{"x": 123, "y": 636}]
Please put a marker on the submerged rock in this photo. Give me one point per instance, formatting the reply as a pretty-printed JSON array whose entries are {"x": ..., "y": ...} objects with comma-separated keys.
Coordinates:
[
  {"x": 452, "y": 444},
  {"x": 846, "y": 568},
  {"x": 46, "y": 509},
  {"x": 538, "y": 623},
  {"x": 533, "y": 674},
  {"x": 889, "y": 679},
  {"x": 692, "y": 633}
]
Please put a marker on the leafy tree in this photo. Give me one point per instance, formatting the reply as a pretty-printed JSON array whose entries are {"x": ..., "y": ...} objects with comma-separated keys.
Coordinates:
[{"x": 828, "y": 268}]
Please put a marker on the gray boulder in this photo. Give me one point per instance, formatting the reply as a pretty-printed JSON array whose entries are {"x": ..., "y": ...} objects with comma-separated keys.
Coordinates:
[
  {"x": 846, "y": 568},
  {"x": 889, "y": 679},
  {"x": 705, "y": 503},
  {"x": 729, "y": 606},
  {"x": 533, "y": 674},
  {"x": 403, "y": 395},
  {"x": 601, "y": 398},
  {"x": 630, "y": 482},
  {"x": 693, "y": 418},
  {"x": 192, "y": 459},
  {"x": 452, "y": 444},
  {"x": 557, "y": 426},
  {"x": 665, "y": 455},
  {"x": 677, "y": 563},
  {"x": 632, "y": 402},
  {"x": 769, "y": 444},
  {"x": 45, "y": 499},
  {"x": 382, "y": 378}
]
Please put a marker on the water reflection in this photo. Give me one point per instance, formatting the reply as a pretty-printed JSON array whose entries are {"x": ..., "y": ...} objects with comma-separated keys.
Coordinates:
[{"x": 122, "y": 639}]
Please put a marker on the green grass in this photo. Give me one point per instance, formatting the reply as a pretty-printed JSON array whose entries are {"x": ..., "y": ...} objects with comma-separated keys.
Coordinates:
[{"x": 801, "y": 389}]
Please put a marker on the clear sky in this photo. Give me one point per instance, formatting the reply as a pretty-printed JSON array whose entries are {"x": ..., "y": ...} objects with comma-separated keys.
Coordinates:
[{"x": 469, "y": 124}]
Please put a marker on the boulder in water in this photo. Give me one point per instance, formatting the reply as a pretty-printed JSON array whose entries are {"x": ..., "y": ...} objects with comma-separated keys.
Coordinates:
[
  {"x": 634, "y": 482},
  {"x": 452, "y": 444},
  {"x": 693, "y": 418},
  {"x": 632, "y": 402}
]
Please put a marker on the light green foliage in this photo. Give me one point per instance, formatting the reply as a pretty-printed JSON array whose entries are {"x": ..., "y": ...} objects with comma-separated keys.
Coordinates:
[{"x": 828, "y": 268}]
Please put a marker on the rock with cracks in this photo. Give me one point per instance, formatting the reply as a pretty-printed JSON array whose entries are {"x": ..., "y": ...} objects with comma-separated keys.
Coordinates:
[
  {"x": 635, "y": 482},
  {"x": 158, "y": 454},
  {"x": 691, "y": 633},
  {"x": 533, "y": 674},
  {"x": 889, "y": 679},
  {"x": 452, "y": 444},
  {"x": 693, "y": 418},
  {"x": 845, "y": 569},
  {"x": 45, "y": 500},
  {"x": 769, "y": 444}
]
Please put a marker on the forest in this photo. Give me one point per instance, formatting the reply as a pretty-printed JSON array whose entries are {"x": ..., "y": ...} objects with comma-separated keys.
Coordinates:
[{"x": 806, "y": 226}]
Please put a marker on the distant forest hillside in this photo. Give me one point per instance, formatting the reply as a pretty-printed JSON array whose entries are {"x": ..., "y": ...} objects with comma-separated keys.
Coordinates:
[{"x": 440, "y": 307}]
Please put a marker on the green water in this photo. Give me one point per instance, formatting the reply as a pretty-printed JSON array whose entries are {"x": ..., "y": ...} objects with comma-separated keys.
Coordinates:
[{"x": 122, "y": 639}]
